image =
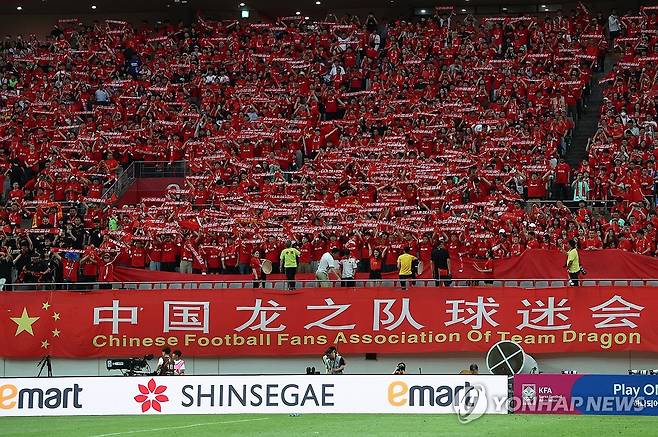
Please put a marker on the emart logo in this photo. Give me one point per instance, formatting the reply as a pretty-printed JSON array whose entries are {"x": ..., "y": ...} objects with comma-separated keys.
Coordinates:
[
  {"x": 469, "y": 401},
  {"x": 401, "y": 394},
  {"x": 151, "y": 396},
  {"x": 12, "y": 397}
]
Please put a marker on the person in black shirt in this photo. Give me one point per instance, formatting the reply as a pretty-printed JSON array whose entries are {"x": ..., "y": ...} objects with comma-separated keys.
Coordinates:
[
  {"x": 22, "y": 258},
  {"x": 34, "y": 270},
  {"x": 441, "y": 264},
  {"x": 6, "y": 266}
]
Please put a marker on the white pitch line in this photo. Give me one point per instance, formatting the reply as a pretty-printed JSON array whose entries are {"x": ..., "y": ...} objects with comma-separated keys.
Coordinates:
[{"x": 180, "y": 427}]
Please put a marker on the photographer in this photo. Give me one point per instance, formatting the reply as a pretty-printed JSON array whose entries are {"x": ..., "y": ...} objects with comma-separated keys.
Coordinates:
[
  {"x": 333, "y": 362},
  {"x": 401, "y": 369},
  {"x": 165, "y": 363}
]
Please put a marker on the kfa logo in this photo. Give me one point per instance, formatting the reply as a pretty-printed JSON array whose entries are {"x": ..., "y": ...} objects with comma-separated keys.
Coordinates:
[
  {"x": 529, "y": 392},
  {"x": 151, "y": 396}
]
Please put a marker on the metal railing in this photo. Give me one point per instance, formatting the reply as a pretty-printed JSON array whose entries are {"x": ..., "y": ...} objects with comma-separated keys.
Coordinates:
[
  {"x": 122, "y": 183},
  {"x": 161, "y": 169},
  {"x": 282, "y": 284}
]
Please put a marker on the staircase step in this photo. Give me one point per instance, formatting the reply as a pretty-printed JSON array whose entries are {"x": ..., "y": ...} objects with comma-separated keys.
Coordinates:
[{"x": 588, "y": 123}]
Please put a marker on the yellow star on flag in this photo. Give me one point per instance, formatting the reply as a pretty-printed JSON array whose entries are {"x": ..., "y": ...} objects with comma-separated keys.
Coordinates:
[
  {"x": 24, "y": 323},
  {"x": 45, "y": 344},
  {"x": 45, "y": 305},
  {"x": 56, "y": 332},
  {"x": 56, "y": 316}
]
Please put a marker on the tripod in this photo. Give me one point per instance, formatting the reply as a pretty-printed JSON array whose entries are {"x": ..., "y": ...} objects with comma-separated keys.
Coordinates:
[{"x": 45, "y": 362}]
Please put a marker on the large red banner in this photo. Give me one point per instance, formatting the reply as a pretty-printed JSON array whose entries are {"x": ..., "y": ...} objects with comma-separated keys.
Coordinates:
[{"x": 248, "y": 322}]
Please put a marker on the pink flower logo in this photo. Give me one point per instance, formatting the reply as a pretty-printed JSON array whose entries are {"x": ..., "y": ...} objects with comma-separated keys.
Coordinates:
[{"x": 151, "y": 396}]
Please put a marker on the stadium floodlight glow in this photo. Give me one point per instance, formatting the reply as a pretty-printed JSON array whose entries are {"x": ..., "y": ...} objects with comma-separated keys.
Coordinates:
[
  {"x": 423, "y": 11},
  {"x": 543, "y": 6},
  {"x": 19, "y": 8},
  {"x": 242, "y": 5},
  {"x": 306, "y": 18},
  {"x": 318, "y": 2},
  {"x": 93, "y": 6},
  {"x": 298, "y": 13},
  {"x": 463, "y": 10},
  {"x": 504, "y": 9}
]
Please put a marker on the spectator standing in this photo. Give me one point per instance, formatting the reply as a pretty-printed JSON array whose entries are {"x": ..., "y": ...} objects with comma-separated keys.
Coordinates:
[
  {"x": 375, "y": 264},
  {"x": 348, "y": 266},
  {"x": 441, "y": 264},
  {"x": 580, "y": 189},
  {"x": 257, "y": 270},
  {"x": 614, "y": 25},
  {"x": 561, "y": 181}
]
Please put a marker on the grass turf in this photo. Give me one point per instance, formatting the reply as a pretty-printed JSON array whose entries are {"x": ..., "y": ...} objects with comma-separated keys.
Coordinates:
[{"x": 334, "y": 425}]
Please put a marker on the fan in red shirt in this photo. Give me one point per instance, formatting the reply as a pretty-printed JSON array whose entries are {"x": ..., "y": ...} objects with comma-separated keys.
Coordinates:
[
  {"x": 89, "y": 263},
  {"x": 106, "y": 270},
  {"x": 138, "y": 255},
  {"x": 70, "y": 264},
  {"x": 256, "y": 270},
  {"x": 592, "y": 242}
]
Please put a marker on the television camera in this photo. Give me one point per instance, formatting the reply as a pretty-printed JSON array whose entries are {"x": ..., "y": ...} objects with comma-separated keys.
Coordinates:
[{"x": 131, "y": 366}]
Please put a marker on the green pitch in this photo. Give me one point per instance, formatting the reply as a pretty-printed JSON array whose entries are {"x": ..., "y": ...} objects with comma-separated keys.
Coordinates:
[{"x": 329, "y": 425}]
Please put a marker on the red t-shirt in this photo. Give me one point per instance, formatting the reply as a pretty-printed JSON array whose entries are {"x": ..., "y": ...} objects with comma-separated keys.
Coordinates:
[
  {"x": 105, "y": 272},
  {"x": 137, "y": 257}
]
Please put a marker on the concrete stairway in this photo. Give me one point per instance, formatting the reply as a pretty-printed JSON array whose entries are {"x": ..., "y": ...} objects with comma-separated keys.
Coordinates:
[{"x": 587, "y": 125}]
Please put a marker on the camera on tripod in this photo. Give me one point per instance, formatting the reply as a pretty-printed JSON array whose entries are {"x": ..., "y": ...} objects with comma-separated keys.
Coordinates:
[{"x": 130, "y": 366}]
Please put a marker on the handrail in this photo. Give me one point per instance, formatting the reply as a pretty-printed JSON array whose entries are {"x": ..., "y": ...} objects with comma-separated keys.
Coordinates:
[
  {"x": 281, "y": 284},
  {"x": 122, "y": 183}
]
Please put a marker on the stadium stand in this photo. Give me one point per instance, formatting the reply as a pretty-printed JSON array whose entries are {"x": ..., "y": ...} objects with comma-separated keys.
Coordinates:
[{"x": 340, "y": 133}]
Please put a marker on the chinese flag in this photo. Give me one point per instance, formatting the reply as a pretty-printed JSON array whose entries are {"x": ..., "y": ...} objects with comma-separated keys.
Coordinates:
[{"x": 30, "y": 323}]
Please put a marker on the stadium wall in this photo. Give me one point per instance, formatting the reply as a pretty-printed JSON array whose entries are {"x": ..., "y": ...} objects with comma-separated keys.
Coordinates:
[{"x": 609, "y": 363}]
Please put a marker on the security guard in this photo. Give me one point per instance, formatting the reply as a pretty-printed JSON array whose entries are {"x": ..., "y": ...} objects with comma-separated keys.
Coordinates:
[{"x": 289, "y": 257}]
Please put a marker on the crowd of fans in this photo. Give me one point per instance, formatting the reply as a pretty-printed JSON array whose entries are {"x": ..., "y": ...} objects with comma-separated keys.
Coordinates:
[{"x": 349, "y": 133}]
